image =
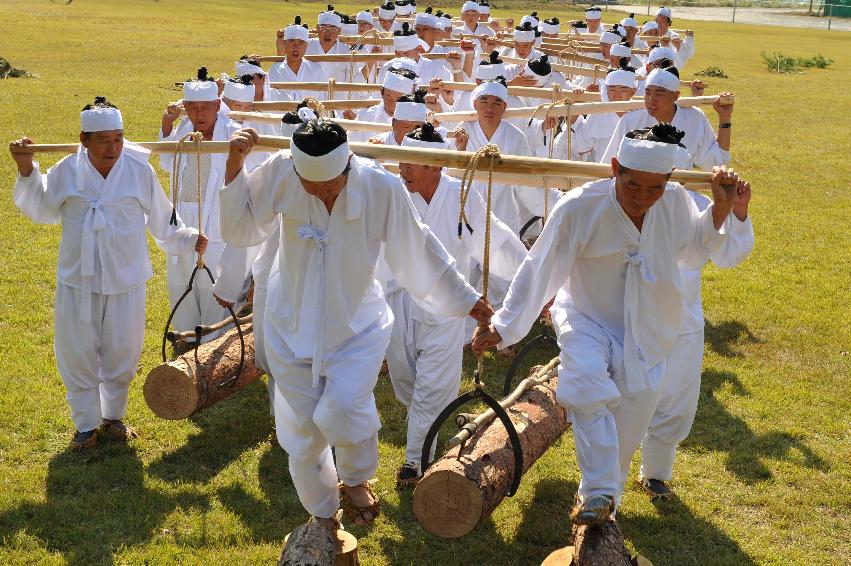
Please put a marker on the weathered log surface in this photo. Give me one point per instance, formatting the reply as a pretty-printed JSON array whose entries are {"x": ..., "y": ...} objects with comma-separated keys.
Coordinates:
[
  {"x": 305, "y": 552},
  {"x": 178, "y": 389},
  {"x": 595, "y": 546},
  {"x": 457, "y": 493}
]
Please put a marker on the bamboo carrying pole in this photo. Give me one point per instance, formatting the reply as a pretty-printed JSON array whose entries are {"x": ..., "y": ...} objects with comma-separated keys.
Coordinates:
[
  {"x": 581, "y": 108},
  {"x": 292, "y": 105},
  {"x": 354, "y": 57},
  {"x": 441, "y": 157},
  {"x": 348, "y": 125}
]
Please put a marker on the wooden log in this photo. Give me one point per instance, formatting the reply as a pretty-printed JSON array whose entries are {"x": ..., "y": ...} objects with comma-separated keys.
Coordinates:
[
  {"x": 443, "y": 157},
  {"x": 178, "y": 389},
  {"x": 462, "y": 488},
  {"x": 601, "y": 545},
  {"x": 345, "y": 547},
  {"x": 323, "y": 86}
]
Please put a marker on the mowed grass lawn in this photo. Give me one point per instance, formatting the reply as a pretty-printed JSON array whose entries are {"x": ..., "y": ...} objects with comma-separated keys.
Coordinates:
[{"x": 765, "y": 477}]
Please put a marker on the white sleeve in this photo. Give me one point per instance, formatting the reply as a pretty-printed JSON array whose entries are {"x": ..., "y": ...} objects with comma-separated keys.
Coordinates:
[
  {"x": 739, "y": 244},
  {"x": 544, "y": 270},
  {"x": 420, "y": 263},
  {"x": 708, "y": 154},
  {"x": 506, "y": 250},
  {"x": 614, "y": 142},
  {"x": 174, "y": 238},
  {"x": 233, "y": 270},
  {"x": 702, "y": 239},
  {"x": 31, "y": 195},
  {"x": 250, "y": 204}
]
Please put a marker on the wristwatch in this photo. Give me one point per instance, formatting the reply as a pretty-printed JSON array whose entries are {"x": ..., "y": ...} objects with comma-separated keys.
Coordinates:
[{"x": 725, "y": 125}]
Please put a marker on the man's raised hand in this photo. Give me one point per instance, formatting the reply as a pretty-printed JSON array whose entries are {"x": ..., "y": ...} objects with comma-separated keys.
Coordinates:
[
  {"x": 725, "y": 188},
  {"x": 482, "y": 311},
  {"x": 485, "y": 338},
  {"x": 741, "y": 200},
  {"x": 241, "y": 142},
  {"x": 23, "y": 159}
]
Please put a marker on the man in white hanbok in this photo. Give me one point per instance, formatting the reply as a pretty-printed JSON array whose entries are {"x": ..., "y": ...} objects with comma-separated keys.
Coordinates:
[
  {"x": 327, "y": 324},
  {"x": 292, "y": 43},
  {"x": 104, "y": 197},
  {"x": 425, "y": 352},
  {"x": 610, "y": 254},
  {"x": 706, "y": 148},
  {"x": 202, "y": 106}
]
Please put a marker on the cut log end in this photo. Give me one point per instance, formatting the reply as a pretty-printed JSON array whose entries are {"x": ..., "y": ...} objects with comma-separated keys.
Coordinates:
[
  {"x": 447, "y": 503},
  {"x": 311, "y": 547},
  {"x": 171, "y": 393}
]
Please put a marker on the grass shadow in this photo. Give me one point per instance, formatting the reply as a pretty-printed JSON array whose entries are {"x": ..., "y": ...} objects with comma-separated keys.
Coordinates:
[
  {"x": 92, "y": 506},
  {"x": 675, "y": 535},
  {"x": 715, "y": 428},
  {"x": 722, "y": 337},
  {"x": 227, "y": 430}
]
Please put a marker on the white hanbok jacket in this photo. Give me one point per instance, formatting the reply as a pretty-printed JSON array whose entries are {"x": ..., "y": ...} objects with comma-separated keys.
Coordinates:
[
  {"x": 104, "y": 247},
  {"x": 324, "y": 291},
  {"x": 308, "y": 72},
  {"x": 626, "y": 281}
]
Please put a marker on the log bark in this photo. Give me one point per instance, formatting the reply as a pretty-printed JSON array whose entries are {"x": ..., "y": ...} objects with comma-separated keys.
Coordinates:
[
  {"x": 461, "y": 489},
  {"x": 309, "y": 547},
  {"x": 178, "y": 389},
  {"x": 600, "y": 545}
]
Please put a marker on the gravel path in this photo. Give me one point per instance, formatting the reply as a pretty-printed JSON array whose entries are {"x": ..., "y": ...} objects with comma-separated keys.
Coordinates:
[{"x": 763, "y": 16}]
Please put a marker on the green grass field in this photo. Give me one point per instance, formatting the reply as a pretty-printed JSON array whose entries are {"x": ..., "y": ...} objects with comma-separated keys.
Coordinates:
[{"x": 765, "y": 477}]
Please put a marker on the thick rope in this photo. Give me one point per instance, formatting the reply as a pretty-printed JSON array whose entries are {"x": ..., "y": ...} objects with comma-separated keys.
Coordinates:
[
  {"x": 315, "y": 104},
  {"x": 331, "y": 82},
  {"x": 177, "y": 157}
]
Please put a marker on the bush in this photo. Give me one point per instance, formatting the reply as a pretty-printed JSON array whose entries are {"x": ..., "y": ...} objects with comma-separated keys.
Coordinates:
[
  {"x": 7, "y": 71},
  {"x": 712, "y": 72},
  {"x": 779, "y": 63}
]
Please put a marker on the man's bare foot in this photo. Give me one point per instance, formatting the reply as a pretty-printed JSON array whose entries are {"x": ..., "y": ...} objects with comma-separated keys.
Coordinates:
[
  {"x": 360, "y": 504},
  {"x": 331, "y": 523}
]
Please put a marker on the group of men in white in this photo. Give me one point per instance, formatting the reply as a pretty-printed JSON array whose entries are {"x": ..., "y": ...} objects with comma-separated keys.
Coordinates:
[{"x": 352, "y": 264}]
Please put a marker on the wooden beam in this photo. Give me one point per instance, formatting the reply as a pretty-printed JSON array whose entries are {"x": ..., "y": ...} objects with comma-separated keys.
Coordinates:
[
  {"x": 439, "y": 157},
  {"x": 356, "y": 57},
  {"x": 287, "y": 105}
]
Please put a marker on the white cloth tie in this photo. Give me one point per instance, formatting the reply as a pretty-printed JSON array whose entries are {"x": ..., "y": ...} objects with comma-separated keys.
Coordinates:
[
  {"x": 94, "y": 222},
  {"x": 637, "y": 274},
  {"x": 309, "y": 232}
]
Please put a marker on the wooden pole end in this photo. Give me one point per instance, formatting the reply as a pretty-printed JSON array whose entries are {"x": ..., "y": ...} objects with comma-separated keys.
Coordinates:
[{"x": 170, "y": 393}]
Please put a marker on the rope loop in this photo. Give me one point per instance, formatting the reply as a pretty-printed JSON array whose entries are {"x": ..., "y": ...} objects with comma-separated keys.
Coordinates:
[{"x": 177, "y": 157}]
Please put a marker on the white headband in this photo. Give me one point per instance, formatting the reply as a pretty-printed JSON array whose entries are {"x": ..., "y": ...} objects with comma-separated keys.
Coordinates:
[
  {"x": 542, "y": 79},
  {"x": 492, "y": 71},
  {"x": 200, "y": 91},
  {"x": 593, "y": 14},
  {"x": 101, "y": 120},
  {"x": 405, "y": 42},
  {"x": 403, "y": 63},
  {"x": 621, "y": 78},
  {"x": 610, "y": 37},
  {"x": 244, "y": 68},
  {"x": 320, "y": 168},
  {"x": 484, "y": 9},
  {"x": 661, "y": 53},
  {"x": 470, "y": 6},
  {"x": 521, "y": 36},
  {"x": 664, "y": 79},
  {"x": 650, "y": 26},
  {"x": 664, "y": 12},
  {"x": 531, "y": 19},
  {"x": 411, "y": 142},
  {"x": 549, "y": 28},
  {"x": 648, "y": 156},
  {"x": 330, "y": 18},
  {"x": 296, "y": 32},
  {"x": 364, "y": 16},
  {"x": 629, "y": 23},
  {"x": 398, "y": 83},
  {"x": 405, "y": 10},
  {"x": 238, "y": 92},
  {"x": 620, "y": 50},
  {"x": 386, "y": 14},
  {"x": 350, "y": 29},
  {"x": 490, "y": 88},
  {"x": 410, "y": 112},
  {"x": 425, "y": 19}
]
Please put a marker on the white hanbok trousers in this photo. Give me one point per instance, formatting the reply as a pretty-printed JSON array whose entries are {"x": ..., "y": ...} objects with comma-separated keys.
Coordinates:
[
  {"x": 339, "y": 411},
  {"x": 200, "y": 306},
  {"x": 424, "y": 361},
  {"x": 677, "y": 406},
  {"x": 608, "y": 421},
  {"x": 97, "y": 360},
  {"x": 259, "y": 309}
]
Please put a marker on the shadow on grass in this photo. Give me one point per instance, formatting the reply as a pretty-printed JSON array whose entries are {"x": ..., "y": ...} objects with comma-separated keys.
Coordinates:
[
  {"x": 722, "y": 337},
  {"x": 715, "y": 428},
  {"x": 96, "y": 503},
  {"x": 676, "y": 536},
  {"x": 227, "y": 430}
]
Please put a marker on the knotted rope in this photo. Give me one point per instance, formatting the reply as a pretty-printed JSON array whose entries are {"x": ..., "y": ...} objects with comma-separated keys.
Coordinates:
[
  {"x": 315, "y": 104},
  {"x": 196, "y": 138},
  {"x": 368, "y": 34},
  {"x": 331, "y": 82},
  {"x": 490, "y": 152}
]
